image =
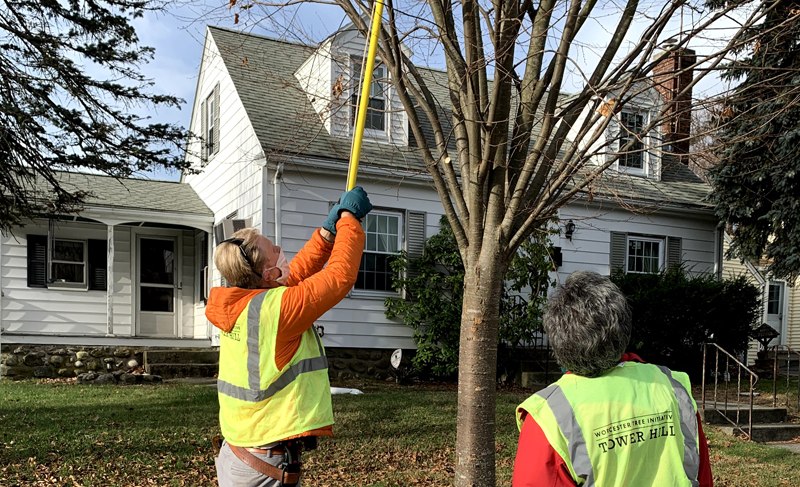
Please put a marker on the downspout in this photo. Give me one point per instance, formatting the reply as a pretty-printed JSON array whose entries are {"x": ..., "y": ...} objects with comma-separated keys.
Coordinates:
[
  {"x": 718, "y": 252},
  {"x": 276, "y": 192}
]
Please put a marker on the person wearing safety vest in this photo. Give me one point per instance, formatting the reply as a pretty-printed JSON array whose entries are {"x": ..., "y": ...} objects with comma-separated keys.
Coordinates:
[
  {"x": 274, "y": 393},
  {"x": 611, "y": 420}
]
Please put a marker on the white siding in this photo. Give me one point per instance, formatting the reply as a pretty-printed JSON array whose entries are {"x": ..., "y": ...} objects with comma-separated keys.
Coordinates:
[
  {"x": 793, "y": 315},
  {"x": 231, "y": 180},
  {"x": 316, "y": 79},
  {"x": 590, "y": 245},
  {"x": 359, "y": 320}
]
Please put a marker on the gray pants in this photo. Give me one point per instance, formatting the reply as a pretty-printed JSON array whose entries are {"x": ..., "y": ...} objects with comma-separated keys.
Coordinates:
[{"x": 232, "y": 472}]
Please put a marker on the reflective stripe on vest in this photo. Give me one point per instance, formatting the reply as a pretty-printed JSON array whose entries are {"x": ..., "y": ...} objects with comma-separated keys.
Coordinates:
[
  {"x": 691, "y": 457},
  {"x": 565, "y": 416},
  {"x": 254, "y": 393},
  {"x": 578, "y": 454}
]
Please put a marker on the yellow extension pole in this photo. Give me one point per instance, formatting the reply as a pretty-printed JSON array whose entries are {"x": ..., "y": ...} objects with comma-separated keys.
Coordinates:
[{"x": 361, "y": 121}]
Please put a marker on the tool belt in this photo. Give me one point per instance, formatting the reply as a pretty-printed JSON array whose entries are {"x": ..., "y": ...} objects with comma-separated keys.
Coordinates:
[{"x": 288, "y": 473}]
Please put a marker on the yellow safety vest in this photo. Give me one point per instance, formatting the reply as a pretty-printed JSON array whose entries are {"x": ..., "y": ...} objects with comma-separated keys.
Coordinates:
[
  {"x": 634, "y": 425},
  {"x": 258, "y": 403}
]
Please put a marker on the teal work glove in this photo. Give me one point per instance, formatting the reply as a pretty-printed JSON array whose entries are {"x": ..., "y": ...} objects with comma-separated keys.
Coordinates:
[
  {"x": 333, "y": 217},
  {"x": 355, "y": 201}
]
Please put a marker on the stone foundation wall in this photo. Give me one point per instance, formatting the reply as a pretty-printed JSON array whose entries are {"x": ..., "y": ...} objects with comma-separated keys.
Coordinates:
[
  {"x": 353, "y": 363},
  {"x": 20, "y": 362}
]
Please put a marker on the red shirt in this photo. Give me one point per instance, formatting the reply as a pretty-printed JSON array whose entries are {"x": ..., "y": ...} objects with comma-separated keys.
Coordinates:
[{"x": 538, "y": 465}]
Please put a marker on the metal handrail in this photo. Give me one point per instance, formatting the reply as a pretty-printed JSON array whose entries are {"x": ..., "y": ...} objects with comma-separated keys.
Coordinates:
[
  {"x": 740, "y": 366},
  {"x": 789, "y": 351}
]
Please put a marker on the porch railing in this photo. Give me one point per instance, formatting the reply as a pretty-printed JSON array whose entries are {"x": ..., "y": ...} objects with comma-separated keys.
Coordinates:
[
  {"x": 726, "y": 376},
  {"x": 789, "y": 353}
]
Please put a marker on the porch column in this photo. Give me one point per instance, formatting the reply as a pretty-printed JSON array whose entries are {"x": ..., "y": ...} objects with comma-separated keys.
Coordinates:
[{"x": 110, "y": 282}]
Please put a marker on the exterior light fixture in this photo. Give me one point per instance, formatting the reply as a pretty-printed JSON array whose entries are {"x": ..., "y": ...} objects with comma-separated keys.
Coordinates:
[{"x": 569, "y": 229}]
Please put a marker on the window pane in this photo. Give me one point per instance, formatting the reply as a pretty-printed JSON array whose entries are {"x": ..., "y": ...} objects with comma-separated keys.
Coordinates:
[
  {"x": 393, "y": 225},
  {"x": 68, "y": 273},
  {"x": 380, "y": 282},
  {"x": 371, "y": 242},
  {"x": 380, "y": 263},
  {"x": 360, "y": 281},
  {"x": 371, "y": 223},
  {"x": 369, "y": 281},
  {"x": 157, "y": 259},
  {"x": 69, "y": 251},
  {"x": 383, "y": 223},
  {"x": 157, "y": 299},
  {"x": 392, "y": 244},
  {"x": 382, "y": 243},
  {"x": 370, "y": 263}
]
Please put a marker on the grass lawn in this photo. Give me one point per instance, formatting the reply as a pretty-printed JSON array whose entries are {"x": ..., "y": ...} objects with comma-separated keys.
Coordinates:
[{"x": 66, "y": 434}]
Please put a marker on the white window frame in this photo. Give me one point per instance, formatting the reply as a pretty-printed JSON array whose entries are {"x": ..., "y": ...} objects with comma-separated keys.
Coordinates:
[
  {"x": 210, "y": 125},
  {"x": 646, "y": 156},
  {"x": 661, "y": 244},
  {"x": 79, "y": 286},
  {"x": 383, "y": 94},
  {"x": 359, "y": 293}
]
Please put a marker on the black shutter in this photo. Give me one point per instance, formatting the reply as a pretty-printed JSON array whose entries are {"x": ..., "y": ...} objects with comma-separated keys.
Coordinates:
[
  {"x": 618, "y": 251},
  {"x": 215, "y": 142},
  {"x": 674, "y": 252},
  {"x": 416, "y": 235},
  {"x": 203, "y": 133},
  {"x": 98, "y": 265},
  {"x": 37, "y": 261}
]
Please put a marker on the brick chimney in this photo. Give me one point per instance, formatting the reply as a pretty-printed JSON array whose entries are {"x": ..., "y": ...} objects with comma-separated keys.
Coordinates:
[{"x": 671, "y": 75}]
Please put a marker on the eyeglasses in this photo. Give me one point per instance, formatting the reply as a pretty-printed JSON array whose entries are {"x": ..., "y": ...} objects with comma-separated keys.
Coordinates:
[{"x": 238, "y": 242}]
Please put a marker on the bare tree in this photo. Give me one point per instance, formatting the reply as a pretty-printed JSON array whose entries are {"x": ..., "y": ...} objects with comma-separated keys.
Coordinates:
[{"x": 523, "y": 147}]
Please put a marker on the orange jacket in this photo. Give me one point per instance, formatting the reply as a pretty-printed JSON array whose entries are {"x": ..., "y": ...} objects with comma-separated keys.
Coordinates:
[{"x": 311, "y": 291}]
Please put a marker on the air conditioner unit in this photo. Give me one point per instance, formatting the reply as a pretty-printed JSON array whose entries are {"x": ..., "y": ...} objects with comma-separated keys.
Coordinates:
[{"x": 225, "y": 229}]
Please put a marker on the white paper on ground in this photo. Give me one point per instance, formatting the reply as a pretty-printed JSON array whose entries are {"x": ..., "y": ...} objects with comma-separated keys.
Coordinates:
[{"x": 344, "y": 390}]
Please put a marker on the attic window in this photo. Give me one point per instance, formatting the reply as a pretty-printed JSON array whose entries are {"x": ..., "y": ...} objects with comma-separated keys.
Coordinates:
[
  {"x": 376, "y": 110},
  {"x": 631, "y": 125}
]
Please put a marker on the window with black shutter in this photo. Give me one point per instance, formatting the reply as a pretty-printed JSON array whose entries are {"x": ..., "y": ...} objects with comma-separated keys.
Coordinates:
[{"x": 77, "y": 264}]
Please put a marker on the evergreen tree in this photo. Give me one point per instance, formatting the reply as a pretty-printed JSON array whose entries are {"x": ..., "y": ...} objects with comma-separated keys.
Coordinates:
[
  {"x": 757, "y": 179},
  {"x": 69, "y": 78}
]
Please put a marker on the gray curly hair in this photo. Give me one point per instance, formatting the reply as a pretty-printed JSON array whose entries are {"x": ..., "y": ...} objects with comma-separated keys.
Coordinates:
[{"x": 588, "y": 323}]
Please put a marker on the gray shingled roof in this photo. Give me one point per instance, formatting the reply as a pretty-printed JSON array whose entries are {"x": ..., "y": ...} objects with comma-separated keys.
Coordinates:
[
  {"x": 130, "y": 193},
  {"x": 262, "y": 70}
]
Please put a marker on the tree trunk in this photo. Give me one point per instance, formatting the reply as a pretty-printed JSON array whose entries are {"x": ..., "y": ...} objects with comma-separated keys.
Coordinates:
[{"x": 475, "y": 444}]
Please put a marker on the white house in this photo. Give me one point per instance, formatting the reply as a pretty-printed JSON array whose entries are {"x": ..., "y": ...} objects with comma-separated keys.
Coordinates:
[
  {"x": 276, "y": 117},
  {"x": 279, "y": 115}
]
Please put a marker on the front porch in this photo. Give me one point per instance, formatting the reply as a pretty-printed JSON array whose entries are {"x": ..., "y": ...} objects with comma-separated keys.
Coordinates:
[{"x": 129, "y": 269}]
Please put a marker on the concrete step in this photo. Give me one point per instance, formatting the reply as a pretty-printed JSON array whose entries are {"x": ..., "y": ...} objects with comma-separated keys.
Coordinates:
[
  {"x": 767, "y": 432},
  {"x": 760, "y": 415},
  {"x": 181, "y": 357},
  {"x": 171, "y": 371}
]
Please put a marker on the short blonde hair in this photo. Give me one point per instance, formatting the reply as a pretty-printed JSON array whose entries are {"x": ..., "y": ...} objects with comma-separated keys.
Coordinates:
[{"x": 228, "y": 259}]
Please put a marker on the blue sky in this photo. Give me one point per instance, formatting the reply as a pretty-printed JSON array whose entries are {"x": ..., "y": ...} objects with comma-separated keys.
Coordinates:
[{"x": 177, "y": 37}]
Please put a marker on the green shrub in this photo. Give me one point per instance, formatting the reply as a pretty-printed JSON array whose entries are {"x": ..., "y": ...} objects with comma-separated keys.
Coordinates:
[
  {"x": 434, "y": 291},
  {"x": 674, "y": 313}
]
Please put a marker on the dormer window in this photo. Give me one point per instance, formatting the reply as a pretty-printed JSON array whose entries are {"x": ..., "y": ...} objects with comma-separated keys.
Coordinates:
[
  {"x": 637, "y": 159},
  {"x": 376, "y": 109},
  {"x": 631, "y": 125}
]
